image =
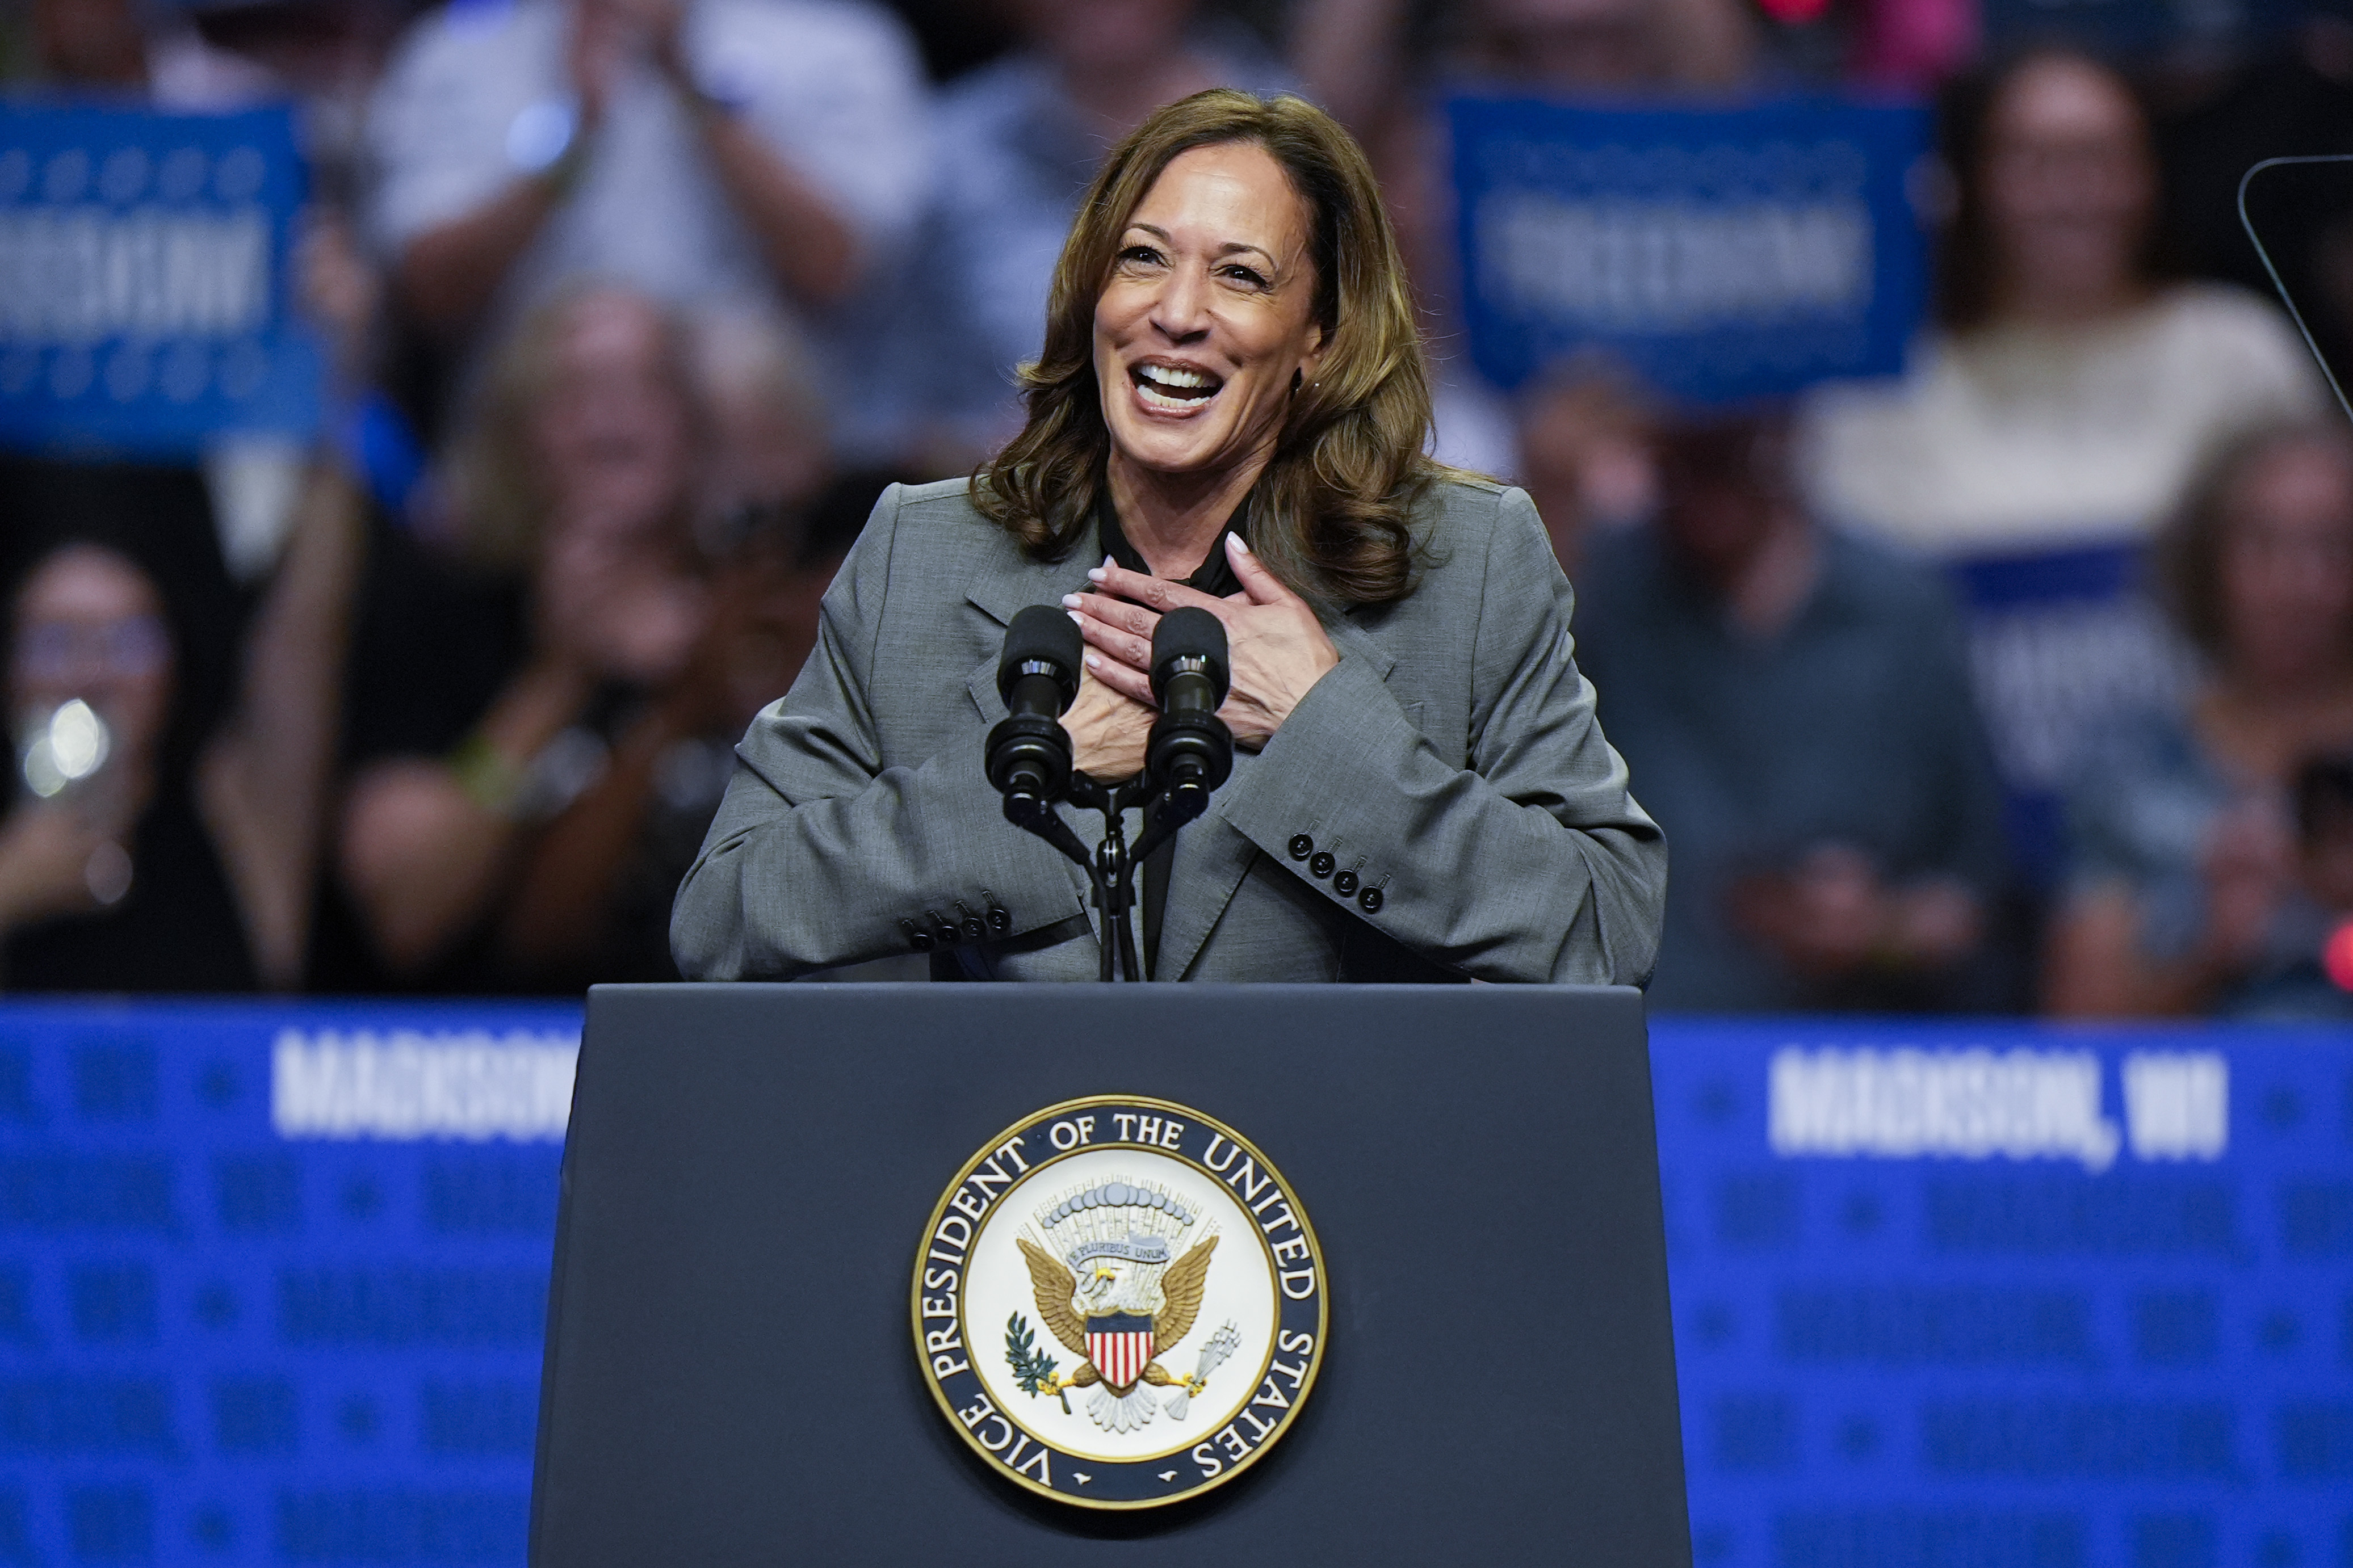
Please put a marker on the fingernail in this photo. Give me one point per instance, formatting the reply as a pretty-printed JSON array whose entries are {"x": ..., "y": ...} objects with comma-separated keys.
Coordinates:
[
  {"x": 1095, "y": 574},
  {"x": 1076, "y": 619},
  {"x": 1093, "y": 663},
  {"x": 1107, "y": 562},
  {"x": 1240, "y": 542},
  {"x": 1071, "y": 601}
]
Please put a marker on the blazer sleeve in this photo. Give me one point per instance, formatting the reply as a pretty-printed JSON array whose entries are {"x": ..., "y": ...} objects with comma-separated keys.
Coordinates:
[
  {"x": 1533, "y": 863},
  {"x": 821, "y": 847}
]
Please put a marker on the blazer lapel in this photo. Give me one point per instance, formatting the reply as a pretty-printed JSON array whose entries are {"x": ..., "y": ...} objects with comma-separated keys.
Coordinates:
[
  {"x": 1013, "y": 582},
  {"x": 1213, "y": 856}
]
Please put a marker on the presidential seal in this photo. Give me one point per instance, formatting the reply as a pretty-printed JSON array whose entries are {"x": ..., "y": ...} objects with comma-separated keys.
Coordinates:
[{"x": 1119, "y": 1302}]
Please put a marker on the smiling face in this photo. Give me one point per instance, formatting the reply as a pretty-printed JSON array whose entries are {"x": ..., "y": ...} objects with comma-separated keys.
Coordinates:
[
  {"x": 2068, "y": 178},
  {"x": 1207, "y": 315}
]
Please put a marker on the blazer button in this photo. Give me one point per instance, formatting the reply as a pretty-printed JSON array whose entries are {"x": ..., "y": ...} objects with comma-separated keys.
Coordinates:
[
  {"x": 917, "y": 938},
  {"x": 1302, "y": 847},
  {"x": 1369, "y": 900},
  {"x": 1344, "y": 883},
  {"x": 973, "y": 930},
  {"x": 943, "y": 931},
  {"x": 1321, "y": 867},
  {"x": 1000, "y": 918}
]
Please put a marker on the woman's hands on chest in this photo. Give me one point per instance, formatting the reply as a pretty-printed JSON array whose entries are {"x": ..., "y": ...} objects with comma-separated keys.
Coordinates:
[{"x": 1276, "y": 648}]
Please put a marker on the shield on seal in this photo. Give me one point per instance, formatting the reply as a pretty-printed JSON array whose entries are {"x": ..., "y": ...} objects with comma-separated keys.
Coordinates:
[{"x": 1120, "y": 1346}]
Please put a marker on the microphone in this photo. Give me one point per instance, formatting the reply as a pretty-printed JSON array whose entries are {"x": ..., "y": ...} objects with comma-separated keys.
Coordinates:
[
  {"x": 1191, "y": 752},
  {"x": 1037, "y": 677}
]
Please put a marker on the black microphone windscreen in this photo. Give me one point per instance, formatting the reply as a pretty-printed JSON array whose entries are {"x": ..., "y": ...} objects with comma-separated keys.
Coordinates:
[
  {"x": 1042, "y": 634},
  {"x": 1190, "y": 632}
]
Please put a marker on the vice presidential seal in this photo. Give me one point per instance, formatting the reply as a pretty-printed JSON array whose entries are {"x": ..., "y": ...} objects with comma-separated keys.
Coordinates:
[{"x": 1119, "y": 1302}]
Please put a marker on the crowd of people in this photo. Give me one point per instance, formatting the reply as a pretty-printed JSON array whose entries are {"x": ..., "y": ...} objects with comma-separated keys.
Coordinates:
[{"x": 2022, "y": 680}]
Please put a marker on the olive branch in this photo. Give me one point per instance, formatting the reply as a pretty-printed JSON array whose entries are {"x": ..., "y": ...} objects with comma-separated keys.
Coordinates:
[{"x": 1031, "y": 1367}]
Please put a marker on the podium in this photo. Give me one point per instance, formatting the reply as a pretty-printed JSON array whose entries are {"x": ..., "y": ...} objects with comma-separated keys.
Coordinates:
[{"x": 730, "y": 1375}]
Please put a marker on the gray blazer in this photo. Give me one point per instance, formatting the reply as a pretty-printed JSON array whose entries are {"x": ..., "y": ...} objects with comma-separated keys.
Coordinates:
[{"x": 1451, "y": 759}]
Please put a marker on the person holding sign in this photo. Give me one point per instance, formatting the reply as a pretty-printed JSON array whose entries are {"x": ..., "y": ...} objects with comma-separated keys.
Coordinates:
[{"x": 1229, "y": 414}]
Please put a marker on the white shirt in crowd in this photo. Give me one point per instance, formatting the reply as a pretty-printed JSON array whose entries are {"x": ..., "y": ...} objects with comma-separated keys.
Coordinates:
[
  {"x": 2013, "y": 441},
  {"x": 834, "y": 85}
]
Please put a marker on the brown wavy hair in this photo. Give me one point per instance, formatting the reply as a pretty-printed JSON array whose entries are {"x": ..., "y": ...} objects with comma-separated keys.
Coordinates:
[{"x": 1330, "y": 514}]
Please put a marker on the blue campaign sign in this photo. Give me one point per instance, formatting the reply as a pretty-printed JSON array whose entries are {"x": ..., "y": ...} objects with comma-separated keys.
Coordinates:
[
  {"x": 2063, "y": 644},
  {"x": 1719, "y": 253},
  {"x": 144, "y": 280}
]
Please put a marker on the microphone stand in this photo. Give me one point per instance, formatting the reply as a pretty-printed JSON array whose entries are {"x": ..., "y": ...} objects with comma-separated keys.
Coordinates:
[{"x": 1112, "y": 867}]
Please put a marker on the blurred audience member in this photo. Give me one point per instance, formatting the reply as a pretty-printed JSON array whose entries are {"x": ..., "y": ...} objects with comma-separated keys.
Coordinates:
[
  {"x": 592, "y": 900},
  {"x": 2182, "y": 892},
  {"x": 1795, "y": 708},
  {"x": 2315, "y": 985},
  {"x": 166, "y": 807},
  {"x": 762, "y": 152},
  {"x": 759, "y": 386},
  {"x": 538, "y": 740},
  {"x": 2049, "y": 425},
  {"x": 570, "y": 502},
  {"x": 1585, "y": 459},
  {"x": 1016, "y": 143},
  {"x": 2070, "y": 393}
]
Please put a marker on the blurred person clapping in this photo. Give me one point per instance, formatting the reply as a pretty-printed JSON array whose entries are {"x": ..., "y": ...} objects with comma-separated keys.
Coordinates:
[
  {"x": 1797, "y": 709},
  {"x": 643, "y": 501},
  {"x": 761, "y": 150},
  {"x": 592, "y": 893},
  {"x": 573, "y": 491},
  {"x": 2183, "y": 891}
]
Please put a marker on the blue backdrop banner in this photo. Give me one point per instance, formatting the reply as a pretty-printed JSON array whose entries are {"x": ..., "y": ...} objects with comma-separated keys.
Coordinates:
[
  {"x": 1948, "y": 1294},
  {"x": 1720, "y": 255},
  {"x": 145, "y": 286}
]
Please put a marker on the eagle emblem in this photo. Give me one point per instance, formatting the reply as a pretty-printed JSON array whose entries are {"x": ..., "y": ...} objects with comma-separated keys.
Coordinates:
[{"x": 1112, "y": 1286}]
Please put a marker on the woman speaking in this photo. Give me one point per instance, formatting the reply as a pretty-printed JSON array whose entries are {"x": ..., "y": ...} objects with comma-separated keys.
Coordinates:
[{"x": 1231, "y": 412}]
